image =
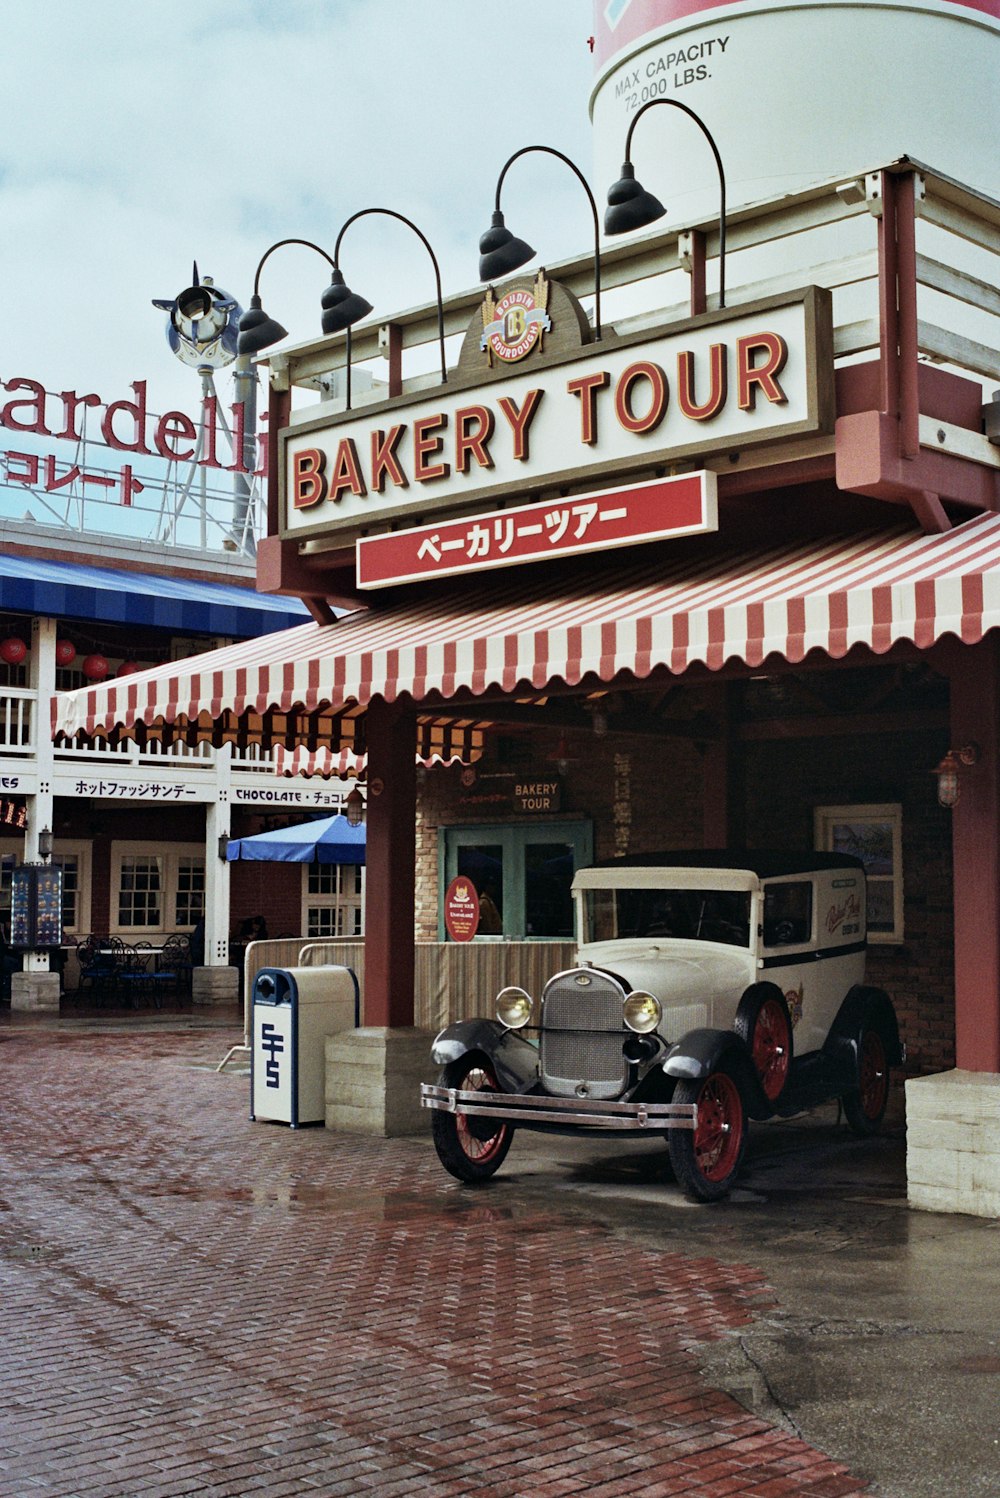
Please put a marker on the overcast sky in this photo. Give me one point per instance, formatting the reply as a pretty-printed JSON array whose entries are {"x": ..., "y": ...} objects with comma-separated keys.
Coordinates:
[{"x": 139, "y": 135}]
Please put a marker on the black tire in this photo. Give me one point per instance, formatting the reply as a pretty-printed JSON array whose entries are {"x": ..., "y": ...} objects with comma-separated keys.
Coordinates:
[
  {"x": 764, "y": 1023},
  {"x": 864, "y": 1106},
  {"x": 470, "y": 1149},
  {"x": 707, "y": 1159}
]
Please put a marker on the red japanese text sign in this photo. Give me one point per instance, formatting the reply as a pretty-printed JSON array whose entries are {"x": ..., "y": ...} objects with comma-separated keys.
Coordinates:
[{"x": 649, "y": 511}]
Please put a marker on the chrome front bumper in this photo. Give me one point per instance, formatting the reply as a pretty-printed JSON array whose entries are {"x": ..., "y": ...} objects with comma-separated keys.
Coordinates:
[{"x": 595, "y": 1113}]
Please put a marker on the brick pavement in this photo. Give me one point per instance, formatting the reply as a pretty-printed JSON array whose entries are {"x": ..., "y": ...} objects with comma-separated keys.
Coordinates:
[{"x": 194, "y": 1304}]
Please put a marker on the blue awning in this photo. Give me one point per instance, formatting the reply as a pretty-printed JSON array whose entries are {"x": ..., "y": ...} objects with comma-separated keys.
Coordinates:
[{"x": 186, "y": 605}]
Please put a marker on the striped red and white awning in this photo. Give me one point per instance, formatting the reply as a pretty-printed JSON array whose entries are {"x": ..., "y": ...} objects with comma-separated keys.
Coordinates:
[
  {"x": 344, "y": 764},
  {"x": 869, "y": 589}
]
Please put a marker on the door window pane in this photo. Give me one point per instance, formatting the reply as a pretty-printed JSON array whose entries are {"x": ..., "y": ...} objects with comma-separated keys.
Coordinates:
[
  {"x": 483, "y": 865},
  {"x": 548, "y": 874}
]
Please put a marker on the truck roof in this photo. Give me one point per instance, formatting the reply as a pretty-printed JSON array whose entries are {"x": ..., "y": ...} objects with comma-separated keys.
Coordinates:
[{"x": 765, "y": 864}]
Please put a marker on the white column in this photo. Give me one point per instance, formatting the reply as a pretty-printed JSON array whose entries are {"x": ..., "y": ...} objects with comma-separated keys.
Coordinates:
[
  {"x": 217, "y": 822},
  {"x": 37, "y": 987},
  {"x": 217, "y": 982},
  {"x": 42, "y": 681}
]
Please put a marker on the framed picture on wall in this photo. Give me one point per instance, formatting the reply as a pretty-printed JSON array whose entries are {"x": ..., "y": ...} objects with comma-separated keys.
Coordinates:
[{"x": 873, "y": 833}]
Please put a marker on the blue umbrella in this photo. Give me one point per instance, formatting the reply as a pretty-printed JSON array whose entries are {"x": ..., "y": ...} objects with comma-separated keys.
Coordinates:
[{"x": 330, "y": 840}]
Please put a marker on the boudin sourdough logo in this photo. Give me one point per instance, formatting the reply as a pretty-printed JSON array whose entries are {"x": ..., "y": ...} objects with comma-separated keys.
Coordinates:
[{"x": 517, "y": 322}]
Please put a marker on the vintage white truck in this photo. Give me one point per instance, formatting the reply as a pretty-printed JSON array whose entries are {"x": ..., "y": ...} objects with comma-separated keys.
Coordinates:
[{"x": 711, "y": 988}]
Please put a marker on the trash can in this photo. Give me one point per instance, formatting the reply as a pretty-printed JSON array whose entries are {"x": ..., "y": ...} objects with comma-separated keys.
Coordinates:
[{"x": 294, "y": 1010}]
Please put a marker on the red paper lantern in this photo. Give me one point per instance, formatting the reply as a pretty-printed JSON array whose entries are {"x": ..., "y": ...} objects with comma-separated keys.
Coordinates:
[
  {"x": 65, "y": 652},
  {"x": 13, "y": 650},
  {"x": 129, "y": 668},
  {"x": 94, "y": 667}
]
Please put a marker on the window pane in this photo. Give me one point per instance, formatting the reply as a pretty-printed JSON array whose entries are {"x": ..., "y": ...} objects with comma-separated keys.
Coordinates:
[
  {"x": 548, "y": 875},
  {"x": 139, "y": 894},
  {"x": 787, "y": 914},
  {"x": 484, "y": 866},
  {"x": 69, "y": 863},
  {"x": 189, "y": 903}
]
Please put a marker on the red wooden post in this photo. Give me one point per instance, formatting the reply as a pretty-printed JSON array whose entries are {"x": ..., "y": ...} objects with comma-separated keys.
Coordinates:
[
  {"x": 975, "y": 719},
  {"x": 390, "y": 881}
]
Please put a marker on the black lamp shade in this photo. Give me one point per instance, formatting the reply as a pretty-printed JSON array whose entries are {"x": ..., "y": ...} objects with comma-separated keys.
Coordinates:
[
  {"x": 500, "y": 252},
  {"x": 342, "y": 307},
  {"x": 257, "y": 330},
  {"x": 630, "y": 206}
]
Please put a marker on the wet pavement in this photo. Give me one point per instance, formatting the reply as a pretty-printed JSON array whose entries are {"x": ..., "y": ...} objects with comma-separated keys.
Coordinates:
[{"x": 196, "y": 1304}]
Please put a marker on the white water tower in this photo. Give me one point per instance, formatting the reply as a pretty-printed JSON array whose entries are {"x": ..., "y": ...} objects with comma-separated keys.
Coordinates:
[{"x": 794, "y": 93}]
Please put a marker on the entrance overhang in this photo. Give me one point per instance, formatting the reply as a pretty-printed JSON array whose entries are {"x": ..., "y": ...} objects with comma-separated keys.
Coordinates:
[{"x": 710, "y": 606}]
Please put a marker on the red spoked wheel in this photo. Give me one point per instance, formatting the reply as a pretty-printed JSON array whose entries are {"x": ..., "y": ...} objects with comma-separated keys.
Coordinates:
[
  {"x": 764, "y": 1023},
  {"x": 707, "y": 1158},
  {"x": 470, "y": 1149},
  {"x": 865, "y": 1105}
]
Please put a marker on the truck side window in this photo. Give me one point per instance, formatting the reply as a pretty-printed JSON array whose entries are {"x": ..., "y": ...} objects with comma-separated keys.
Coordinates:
[{"x": 787, "y": 914}]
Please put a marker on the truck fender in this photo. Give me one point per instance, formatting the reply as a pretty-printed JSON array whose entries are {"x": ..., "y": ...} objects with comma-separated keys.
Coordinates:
[
  {"x": 700, "y": 1052},
  {"x": 864, "y": 1008},
  {"x": 514, "y": 1060}
]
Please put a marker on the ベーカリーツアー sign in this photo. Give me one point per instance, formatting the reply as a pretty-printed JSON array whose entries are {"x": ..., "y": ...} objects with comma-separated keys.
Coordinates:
[{"x": 681, "y": 506}]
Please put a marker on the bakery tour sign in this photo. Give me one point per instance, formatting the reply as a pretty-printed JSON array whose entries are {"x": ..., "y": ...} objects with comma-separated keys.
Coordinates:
[{"x": 546, "y": 443}]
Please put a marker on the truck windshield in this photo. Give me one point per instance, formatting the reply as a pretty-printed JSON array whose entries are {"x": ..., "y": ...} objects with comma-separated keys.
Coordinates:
[{"x": 681, "y": 914}]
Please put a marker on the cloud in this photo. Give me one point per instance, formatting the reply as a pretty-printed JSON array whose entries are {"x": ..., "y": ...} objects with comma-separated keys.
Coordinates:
[{"x": 138, "y": 138}]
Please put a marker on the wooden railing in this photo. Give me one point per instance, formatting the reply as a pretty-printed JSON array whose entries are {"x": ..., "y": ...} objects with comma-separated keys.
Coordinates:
[{"x": 453, "y": 980}]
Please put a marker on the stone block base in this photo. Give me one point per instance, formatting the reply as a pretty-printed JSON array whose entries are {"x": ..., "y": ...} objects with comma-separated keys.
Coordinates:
[
  {"x": 373, "y": 1081},
  {"x": 215, "y": 985},
  {"x": 953, "y": 1143},
  {"x": 37, "y": 992}
]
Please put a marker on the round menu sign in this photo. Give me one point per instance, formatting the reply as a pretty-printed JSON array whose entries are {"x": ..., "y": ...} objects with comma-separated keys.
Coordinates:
[{"x": 461, "y": 909}]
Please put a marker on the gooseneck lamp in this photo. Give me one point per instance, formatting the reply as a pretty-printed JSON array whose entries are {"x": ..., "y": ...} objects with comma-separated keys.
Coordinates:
[
  {"x": 257, "y": 330},
  {"x": 630, "y": 206},
  {"x": 342, "y": 307},
  {"x": 501, "y": 252}
]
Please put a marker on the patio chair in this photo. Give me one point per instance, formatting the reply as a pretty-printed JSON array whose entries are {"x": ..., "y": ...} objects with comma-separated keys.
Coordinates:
[
  {"x": 97, "y": 968},
  {"x": 134, "y": 972}
]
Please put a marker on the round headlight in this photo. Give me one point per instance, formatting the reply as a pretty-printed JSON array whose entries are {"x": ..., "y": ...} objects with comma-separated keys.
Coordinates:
[
  {"x": 642, "y": 1012},
  {"x": 514, "y": 1007}
]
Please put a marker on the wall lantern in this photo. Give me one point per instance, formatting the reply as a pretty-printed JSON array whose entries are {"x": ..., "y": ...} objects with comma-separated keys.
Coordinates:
[
  {"x": 223, "y": 845},
  {"x": 65, "y": 652},
  {"x": 947, "y": 772},
  {"x": 354, "y": 808},
  {"x": 630, "y": 206},
  {"x": 13, "y": 650},
  {"x": 501, "y": 253},
  {"x": 45, "y": 844},
  {"x": 94, "y": 667}
]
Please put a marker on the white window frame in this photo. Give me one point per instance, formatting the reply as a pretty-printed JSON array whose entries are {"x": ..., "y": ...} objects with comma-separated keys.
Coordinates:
[
  {"x": 349, "y": 904},
  {"x": 80, "y": 850},
  {"x": 827, "y": 817},
  {"x": 171, "y": 854}
]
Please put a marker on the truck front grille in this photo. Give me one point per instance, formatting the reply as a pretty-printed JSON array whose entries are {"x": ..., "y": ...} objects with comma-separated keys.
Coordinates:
[{"x": 582, "y": 1035}]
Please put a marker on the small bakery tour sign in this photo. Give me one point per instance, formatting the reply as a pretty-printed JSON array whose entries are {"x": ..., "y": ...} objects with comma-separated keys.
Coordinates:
[
  {"x": 577, "y": 421},
  {"x": 510, "y": 793}
]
